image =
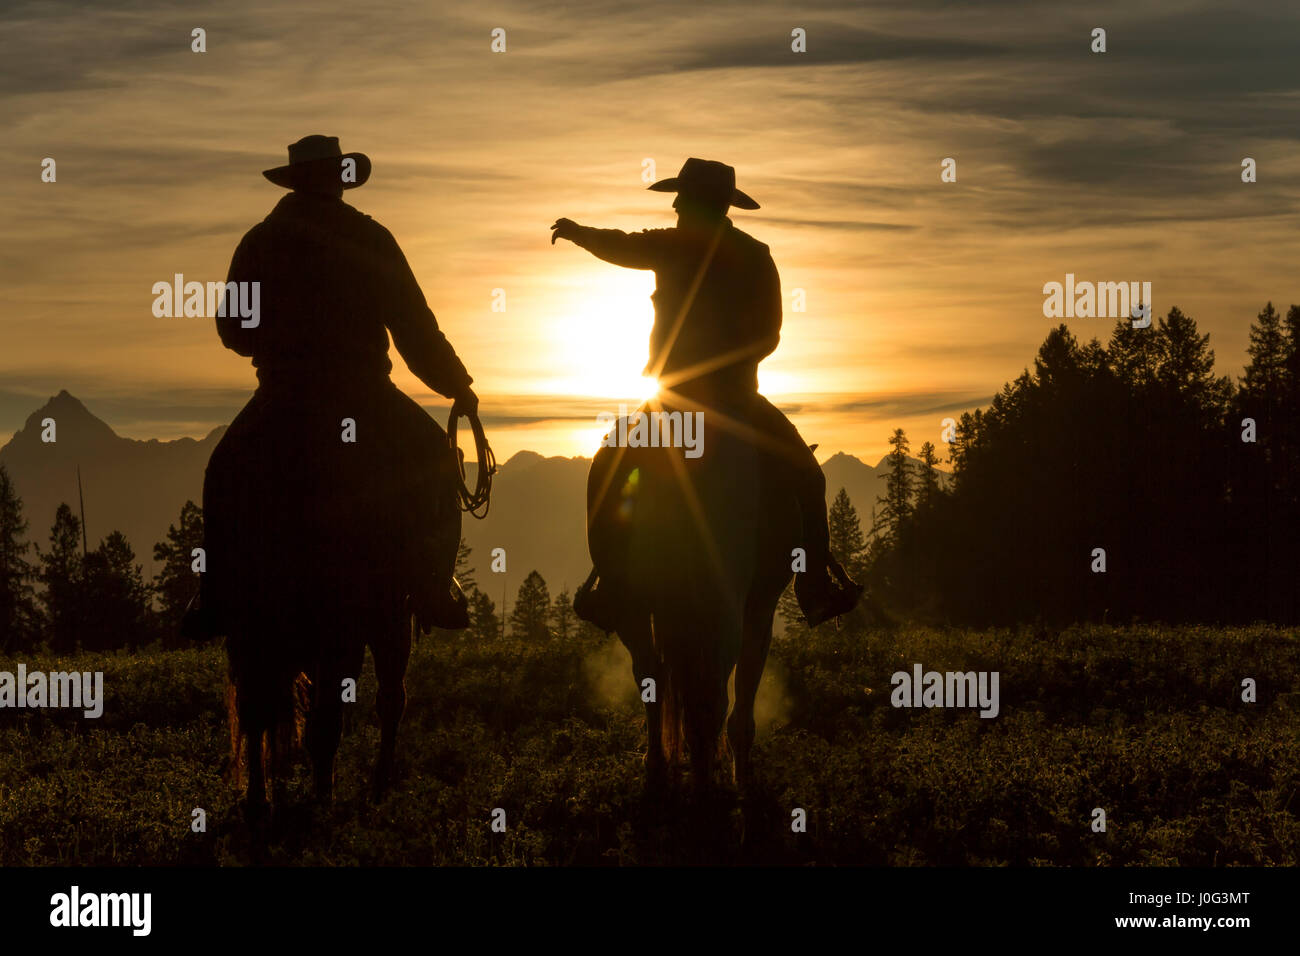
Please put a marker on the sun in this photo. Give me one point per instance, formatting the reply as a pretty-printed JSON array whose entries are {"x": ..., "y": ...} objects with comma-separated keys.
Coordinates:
[{"x": 601, "y": 330}]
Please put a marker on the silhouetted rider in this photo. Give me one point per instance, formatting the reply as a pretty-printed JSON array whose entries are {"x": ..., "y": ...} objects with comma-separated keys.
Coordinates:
[
  {"x": 717, "y": 315},
  {"x": 333, "y": 284}
]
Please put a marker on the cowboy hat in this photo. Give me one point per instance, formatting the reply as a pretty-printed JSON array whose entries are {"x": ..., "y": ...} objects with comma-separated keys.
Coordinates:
[
  {"x": 707, "y": 180},
  {"x": 313, "y": 157}
]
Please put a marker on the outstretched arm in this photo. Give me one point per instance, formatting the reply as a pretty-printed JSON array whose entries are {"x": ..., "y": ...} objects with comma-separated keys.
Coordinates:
[{"x": 637, "y": 250}]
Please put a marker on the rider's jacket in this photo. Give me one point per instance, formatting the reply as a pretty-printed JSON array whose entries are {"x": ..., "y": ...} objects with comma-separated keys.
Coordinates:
[
  {"x": 717, "y": 299},
  {"x": 332, "y": 280}
]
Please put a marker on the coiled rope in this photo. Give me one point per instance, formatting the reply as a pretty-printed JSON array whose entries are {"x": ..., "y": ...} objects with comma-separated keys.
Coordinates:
[{"x": 480, "y": 497}]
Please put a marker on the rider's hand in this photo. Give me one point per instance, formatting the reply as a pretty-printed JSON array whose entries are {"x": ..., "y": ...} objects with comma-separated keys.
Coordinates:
[
  {"x": 465, "y": 404},
  {"x": 564, "y": 229}
]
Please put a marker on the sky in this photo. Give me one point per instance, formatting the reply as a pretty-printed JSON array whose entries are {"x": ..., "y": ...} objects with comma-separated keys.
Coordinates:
[{"x": 922, "y": 297}]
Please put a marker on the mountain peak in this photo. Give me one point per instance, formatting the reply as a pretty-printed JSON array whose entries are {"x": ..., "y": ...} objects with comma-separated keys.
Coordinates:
[
  {"x": 71, "y": 418},
  {"x": 521, "y": 458},
  {"x": 136, "y": 487},
  {"x": 842, "y": 458},
  {"x": 65, "y": 401}
]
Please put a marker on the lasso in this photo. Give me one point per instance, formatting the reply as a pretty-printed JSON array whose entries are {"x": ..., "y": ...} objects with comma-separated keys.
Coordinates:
[{"x": 480, "y": 497}]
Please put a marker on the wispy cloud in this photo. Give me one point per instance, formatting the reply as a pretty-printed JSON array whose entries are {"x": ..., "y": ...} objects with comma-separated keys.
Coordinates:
[{"x": 1123, "y": 164}]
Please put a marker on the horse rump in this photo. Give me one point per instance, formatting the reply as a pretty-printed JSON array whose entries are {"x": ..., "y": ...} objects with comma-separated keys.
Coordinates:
[{"x": 313, "y": 542}]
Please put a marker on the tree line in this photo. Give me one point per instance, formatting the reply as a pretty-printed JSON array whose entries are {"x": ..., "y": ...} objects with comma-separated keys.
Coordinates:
[
  {"x": 65, "y": 597},
  {"x": 535, "y": 617},
  {"x": 1111, "y": 483}
]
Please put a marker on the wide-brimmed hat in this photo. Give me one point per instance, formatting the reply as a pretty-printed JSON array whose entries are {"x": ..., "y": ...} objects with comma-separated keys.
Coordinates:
[
  {"x": 706, "y": 180},
  {"x": 313, "y": 157}
]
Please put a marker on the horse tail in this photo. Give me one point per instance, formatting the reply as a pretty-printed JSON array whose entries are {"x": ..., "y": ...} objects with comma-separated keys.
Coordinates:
[{"x": 275, "y": 709}]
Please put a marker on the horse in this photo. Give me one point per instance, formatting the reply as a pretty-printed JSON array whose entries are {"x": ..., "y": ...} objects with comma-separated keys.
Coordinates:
[
  {"x": 307, "y": 538},
  {"x": 702, "y": 549}
]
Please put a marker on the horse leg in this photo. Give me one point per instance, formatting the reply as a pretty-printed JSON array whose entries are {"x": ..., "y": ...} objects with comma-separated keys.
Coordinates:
[
  {"x": 256, "y": 772},
  {"x": 257, "y": 811},
  {"x": 278, "y": 762},
  {"x": 755, "y": 643},
  {"x": 637, "y": 637},
  {"x": 247, "y": 729},
  {"x": 325, "y": 723},
  {"x": 704, "y": 689},
  {"x": 392, "y": 653},
  {"x": 705, "y": 717}
]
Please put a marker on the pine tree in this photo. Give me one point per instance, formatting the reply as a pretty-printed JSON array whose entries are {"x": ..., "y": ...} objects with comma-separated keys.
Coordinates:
[
  {"x": 847, "y": 541},
  {"x": 1290, "y": 431},
  {"x": 563, "y": 620},
  {"x": 528, "y": 620},
  {"x": 965, "y": 441},
  {"x": 1268, "y": 356},
  {"x": 484, "y": 625},
  {"x": 114, "y": 589},
  {"x": 176, "y": 583},
  {"x": 18, "y": 616},
  {"x": 897, "y": 500},
  {"x": 61, "y": 574},
  {"x": 464, "y": 571},
  {"x": 1134, "y": 354},
  {"x": 1186, "y": 364},
  {"x": 791, "y": 614},
  {"x": 1264, "y": 397},
  {"x": 1292, "y": 360},
  {"x": 928, "y": 480}
]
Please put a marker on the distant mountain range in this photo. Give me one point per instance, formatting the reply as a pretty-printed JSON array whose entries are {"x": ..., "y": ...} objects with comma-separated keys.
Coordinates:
[{"x": 138, "y": 488}]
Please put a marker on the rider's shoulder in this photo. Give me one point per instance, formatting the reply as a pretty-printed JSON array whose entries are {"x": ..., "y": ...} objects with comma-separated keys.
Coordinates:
[
  {"x": 747, "y": 239},
  {"x": 369, "y": 227},
  {"x": 752, "y": 249},
  {"x": 261, "y": 231},
  {"x": 351, "y": 212}
]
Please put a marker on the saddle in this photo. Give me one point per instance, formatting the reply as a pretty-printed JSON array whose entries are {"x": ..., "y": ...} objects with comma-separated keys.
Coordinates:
[
  {"x": 343, "y": 494},
  {"x": 645, "y": 501}
]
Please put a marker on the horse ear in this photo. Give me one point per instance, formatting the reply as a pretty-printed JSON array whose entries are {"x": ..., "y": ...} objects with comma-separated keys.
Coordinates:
[{"x": 812, "y": 448}]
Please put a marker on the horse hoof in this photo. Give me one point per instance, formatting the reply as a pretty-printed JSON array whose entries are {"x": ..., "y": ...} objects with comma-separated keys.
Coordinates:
[
  {"x": 656, "y": 773},
  {"x": 380, "y": 785},
  {"x": 257, "y": 816}
]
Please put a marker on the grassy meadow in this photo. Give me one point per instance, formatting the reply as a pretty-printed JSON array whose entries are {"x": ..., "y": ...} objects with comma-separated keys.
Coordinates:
[{"x": 1145, "y": 722}]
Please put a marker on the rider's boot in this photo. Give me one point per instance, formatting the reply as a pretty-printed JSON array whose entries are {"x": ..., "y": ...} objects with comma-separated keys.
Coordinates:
[
  {"x": 598, "y": 605},
  {"x": 825, "y": 591},
  {"x": 440, "y": 602}
]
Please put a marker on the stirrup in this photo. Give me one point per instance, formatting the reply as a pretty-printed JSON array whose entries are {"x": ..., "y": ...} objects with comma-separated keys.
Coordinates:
[
  {"x": 840, "y": 600},
  {"x": 440, "y": 605},
  {"x": 835, "y": 594},
  {"x": 593, "y": 604}
]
